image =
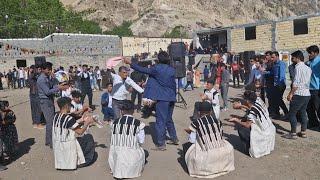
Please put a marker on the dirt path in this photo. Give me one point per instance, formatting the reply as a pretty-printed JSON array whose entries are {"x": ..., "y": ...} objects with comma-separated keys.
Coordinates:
[{"x": 298, "y": 159}]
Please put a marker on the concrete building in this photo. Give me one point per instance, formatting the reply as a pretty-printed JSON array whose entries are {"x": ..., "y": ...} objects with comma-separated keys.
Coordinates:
[{"x": 288, "y": 34}]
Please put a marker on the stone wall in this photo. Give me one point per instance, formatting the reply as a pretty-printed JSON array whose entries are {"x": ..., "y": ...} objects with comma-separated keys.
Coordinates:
[
  {"x": 286, "y": 40},
  {"x": 133, "y": 45},
  {"x": 65, "y": 61},
  {"x": 262, "y": 42}
]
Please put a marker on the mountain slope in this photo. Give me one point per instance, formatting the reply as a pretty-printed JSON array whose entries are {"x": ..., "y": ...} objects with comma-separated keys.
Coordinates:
[{"x": 155, "y": 17}]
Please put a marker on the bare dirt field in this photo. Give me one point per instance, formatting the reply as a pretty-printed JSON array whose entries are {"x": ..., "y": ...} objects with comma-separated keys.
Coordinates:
[{"x": 299, "y": 159}]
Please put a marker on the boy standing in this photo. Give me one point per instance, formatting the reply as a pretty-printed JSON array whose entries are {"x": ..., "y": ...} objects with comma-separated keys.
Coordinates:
[
  {"x": 224, "y": 86},
  {"x": 106, "y": 104}
]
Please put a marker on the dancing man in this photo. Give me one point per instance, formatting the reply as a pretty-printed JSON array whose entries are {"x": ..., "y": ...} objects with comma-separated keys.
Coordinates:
[{"x": 165, "y": 86}]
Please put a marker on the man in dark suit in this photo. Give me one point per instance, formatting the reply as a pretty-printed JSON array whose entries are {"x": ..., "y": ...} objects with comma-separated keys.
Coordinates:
[
  {"x": 164, "y": 93},
  {"x": 86, "y": 90}
]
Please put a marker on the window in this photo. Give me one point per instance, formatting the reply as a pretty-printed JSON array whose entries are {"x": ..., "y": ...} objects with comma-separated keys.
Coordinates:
[
  {"x": 250, "y": 33},
  {"x": 300, "y": 26}
]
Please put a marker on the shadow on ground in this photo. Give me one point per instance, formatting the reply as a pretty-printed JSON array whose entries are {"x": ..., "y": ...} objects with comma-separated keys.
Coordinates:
[
  {"x": 24, "y": 147},
  {"x": 235, "y": 142},
  {"x": 149, "y": 129},
  {"x": 182, "y": 161}
]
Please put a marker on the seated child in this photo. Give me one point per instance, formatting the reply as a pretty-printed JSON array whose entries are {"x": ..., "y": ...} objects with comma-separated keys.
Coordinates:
[
  {"x": 106, "y": 104},
  {"x": 207, "y": 154},
  {"x": 77, "y": 109},
  {"x": 8, "y": 130},
  {"x": 70, "y": 151},
  {"x": 210, "y": 95},
  {"x": 148, "y": 107},
  {"x": 67, "y": 92},
  {"x": 126, "y": 156}
]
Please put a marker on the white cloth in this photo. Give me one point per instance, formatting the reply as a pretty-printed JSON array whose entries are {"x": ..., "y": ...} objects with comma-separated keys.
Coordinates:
[
  {"x": 302, "y": 79},
  {"x": 90, "y": 75},
  {"x": 99, "y": 77},
  {"x": 210, "y": 156},
  {"x": 212, "y": 163},
  {"x": 66, "y": 93},
  {"x": 21, "y": 73},
  {"x": 75, "y": 106},
  {"x": 120, "y": 90},
  {"x": 67, "y": 151},
  {"x": 26, "y": 75},
  {"x": 224, "y": 57},
  {"x": 253, "y": 67},
  {"x": 214, "y": 101},
  {"x": 110, "y": 101},
  {"x": 192, "y": 137},
  {"x": 85, "y": 75},
  {"x": 263, "y": 132},
  {"x": 126, "y": 156}
]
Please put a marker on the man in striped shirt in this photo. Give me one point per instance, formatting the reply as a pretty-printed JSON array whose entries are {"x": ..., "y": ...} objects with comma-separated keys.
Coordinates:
[
  {"x": 299, "y": 96},
  {"x": 70, "y": 151},
  {"x": 126, "y": 156},
  {"x": 255, "y": 129},
  {"x": 207, "y": 154}
]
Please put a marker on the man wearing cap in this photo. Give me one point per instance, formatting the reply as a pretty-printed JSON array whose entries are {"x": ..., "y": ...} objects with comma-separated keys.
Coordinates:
[{"x": 164, "y": 87}]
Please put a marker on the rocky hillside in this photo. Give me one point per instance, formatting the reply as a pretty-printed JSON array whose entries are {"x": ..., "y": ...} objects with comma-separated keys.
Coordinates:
[{"x": 153, "y": 18}]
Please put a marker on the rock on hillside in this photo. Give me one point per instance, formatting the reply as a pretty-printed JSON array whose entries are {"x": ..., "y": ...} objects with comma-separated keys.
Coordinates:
[{"x": 153, "y": 18}]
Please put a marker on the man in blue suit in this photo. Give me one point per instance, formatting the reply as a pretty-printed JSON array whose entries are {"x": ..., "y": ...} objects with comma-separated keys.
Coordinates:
[{"x": 163, "y": 91}]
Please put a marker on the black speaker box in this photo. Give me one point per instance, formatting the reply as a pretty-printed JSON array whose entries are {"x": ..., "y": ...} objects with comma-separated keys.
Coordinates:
[
  {"x": 39, "y": 60},
  {"x": 180, "y": 65},
  {"x": 177, "y": 49},
  {"x": 21, "y": 63},
  {"x": 177, "y": 58}
]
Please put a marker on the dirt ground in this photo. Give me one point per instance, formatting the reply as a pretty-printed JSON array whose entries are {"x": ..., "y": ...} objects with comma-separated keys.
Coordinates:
[{"x": 299, "y": 159}]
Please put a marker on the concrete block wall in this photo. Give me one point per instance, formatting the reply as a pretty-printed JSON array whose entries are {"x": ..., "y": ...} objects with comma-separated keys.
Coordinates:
[
  {"x": 133, "y": 45},
  {"x": 286, "y": 40},
  {"x": 65, "y": 61},
  {"x": 262, "y": 42}
]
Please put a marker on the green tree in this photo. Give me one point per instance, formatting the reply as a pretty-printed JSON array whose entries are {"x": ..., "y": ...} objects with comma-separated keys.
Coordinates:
[
  {"x": 123, "y": 30},
  {"x": 39, "y": 18},
  {"x": 176, "y": 32}
]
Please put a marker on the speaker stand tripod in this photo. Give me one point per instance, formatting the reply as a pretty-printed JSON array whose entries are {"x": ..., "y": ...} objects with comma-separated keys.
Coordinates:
[{"x": 180, "y": 98}]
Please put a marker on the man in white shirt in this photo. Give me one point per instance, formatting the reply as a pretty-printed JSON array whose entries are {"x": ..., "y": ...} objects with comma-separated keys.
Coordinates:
[
  {"x": 122, "y": 85},
  {"x": 99, "y": 77},
  {"x": 21, "y": 78},
  {"x": 299, "y": 96}
]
